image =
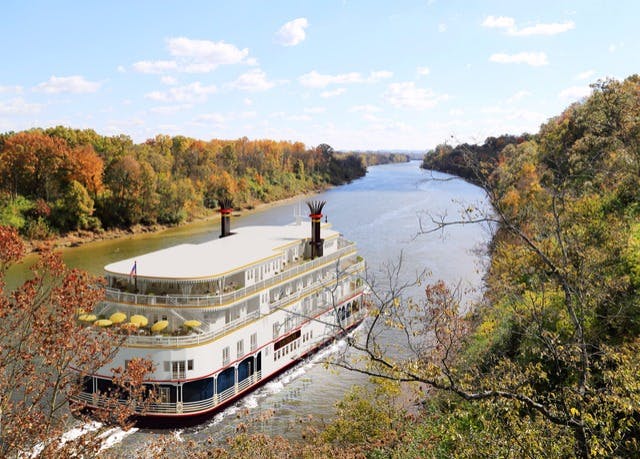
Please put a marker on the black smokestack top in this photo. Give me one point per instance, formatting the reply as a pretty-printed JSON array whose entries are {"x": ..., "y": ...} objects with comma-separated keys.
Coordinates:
[
  {"x": 317, "y": 244},
  {"x": 226, "y": 207}
]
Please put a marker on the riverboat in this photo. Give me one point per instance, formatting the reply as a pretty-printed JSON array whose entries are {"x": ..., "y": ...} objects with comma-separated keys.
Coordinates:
[{"x": 220, "y": 318}]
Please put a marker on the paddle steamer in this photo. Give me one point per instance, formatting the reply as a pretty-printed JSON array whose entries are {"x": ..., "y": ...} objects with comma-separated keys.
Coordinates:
[{"x": 220, "y": 318}]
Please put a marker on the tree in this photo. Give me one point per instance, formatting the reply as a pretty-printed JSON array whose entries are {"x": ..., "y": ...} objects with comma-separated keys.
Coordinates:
[
  {"x": 75, "y": 209},
  {"x": 31, "y": 163},
  {"x": 43, "y": 354}
]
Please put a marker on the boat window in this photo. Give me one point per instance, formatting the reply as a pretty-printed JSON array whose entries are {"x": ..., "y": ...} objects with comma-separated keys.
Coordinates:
[
  {"x": 240, "y": 348},
  {"x": 164, "y": 394},
  {"x": 190, "y": 364},
  {"x": 254, "y": 341},
  {"x": 177, "y": 369},
  {"x": 225, "y": 355}
]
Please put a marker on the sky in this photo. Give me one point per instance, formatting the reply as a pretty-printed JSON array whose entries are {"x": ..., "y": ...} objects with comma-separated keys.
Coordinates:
[{"x": 357, "y": 75}]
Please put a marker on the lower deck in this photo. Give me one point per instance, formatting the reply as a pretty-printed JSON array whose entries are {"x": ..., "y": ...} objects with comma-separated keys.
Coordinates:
[{"x": 199, "y": 396}]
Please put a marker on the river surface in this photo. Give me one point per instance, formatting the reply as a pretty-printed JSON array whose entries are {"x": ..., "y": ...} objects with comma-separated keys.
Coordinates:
[{"x": 379, "y": 212}]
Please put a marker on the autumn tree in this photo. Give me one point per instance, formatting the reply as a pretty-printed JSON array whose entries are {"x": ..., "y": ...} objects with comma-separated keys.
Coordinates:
[
  {"x": 43, "y": 354},
  {"x": 31, "y": 163}
]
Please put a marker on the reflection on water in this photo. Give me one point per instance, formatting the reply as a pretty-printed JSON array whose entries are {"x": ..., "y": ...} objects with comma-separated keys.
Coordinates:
[{"x": 380, "y": 213}]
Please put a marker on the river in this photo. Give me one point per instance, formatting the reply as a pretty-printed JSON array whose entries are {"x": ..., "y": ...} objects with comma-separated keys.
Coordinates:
[{"x": 380, "y": 212}]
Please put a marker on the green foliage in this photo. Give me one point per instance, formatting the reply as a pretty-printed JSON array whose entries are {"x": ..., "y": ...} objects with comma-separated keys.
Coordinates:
[
  {"x": 563, "y": 316},
  {"x": 13, "y": 210}
]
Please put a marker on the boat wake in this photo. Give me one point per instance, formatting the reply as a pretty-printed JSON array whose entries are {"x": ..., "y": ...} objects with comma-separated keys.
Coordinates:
[{"x": 272, "y": 388}]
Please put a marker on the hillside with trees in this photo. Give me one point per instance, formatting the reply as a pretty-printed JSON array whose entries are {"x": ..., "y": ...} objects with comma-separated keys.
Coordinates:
[
  {"x": 546, "y": 365},
  {"x": 462, "y": 160},
  {"x": 60, "y": 179}
]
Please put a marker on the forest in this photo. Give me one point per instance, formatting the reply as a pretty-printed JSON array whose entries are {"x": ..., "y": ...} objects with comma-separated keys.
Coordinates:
[{"x": 60, "y": 179}]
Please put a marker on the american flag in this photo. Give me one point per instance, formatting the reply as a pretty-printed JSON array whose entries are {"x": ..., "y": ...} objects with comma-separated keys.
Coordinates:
[{"x": 134, "y": 269}]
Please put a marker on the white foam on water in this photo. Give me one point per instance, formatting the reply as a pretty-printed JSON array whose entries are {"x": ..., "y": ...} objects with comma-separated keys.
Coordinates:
[
  {"x": 177, "y": 435},
  {"x": 251, "y": 401},
  {"x": 70, "y": 435},
  {"x": 114, "y": 436}
]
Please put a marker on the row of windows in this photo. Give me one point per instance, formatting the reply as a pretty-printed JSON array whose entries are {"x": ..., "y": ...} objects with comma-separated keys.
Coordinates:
[
  {"x": 286, "y": 350},
  {"x": 226, "y": 352}
]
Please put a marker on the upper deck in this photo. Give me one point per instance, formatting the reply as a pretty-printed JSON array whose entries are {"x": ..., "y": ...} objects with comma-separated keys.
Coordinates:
[{"x": 247, "y": 247}]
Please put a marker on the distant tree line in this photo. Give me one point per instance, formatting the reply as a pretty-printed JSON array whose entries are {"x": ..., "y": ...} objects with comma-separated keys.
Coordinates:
[
  {"x": 462, "y": 160},
  {"x": 60, "y": 179}
]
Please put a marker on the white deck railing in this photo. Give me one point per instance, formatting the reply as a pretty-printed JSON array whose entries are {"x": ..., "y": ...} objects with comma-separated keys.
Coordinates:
[
  {"x": 200, "y": 338},
  {"x": 118, "y": 296}
]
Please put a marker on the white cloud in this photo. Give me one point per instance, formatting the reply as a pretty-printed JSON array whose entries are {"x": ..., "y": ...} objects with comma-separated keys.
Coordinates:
[
  {"x": 442, "y": 27},
  {"x": 121, "y": 69},
  {"x": 11, "y": 89},
  {"x": 585, "y": 75},
  {"x": 253, "y": 80},
  {"x": 292, "y": 33},
  {"x": 333, "y": 93},
  {"x": 74, "y": 84},
  {"x": 407, "y": 95},
  {"x": 315, "y": 109},
  {"x": 509, "y": 25},
  {"x": 215, "y": 117},
  {"x": 18, "y": 106},
  {"x": 170, "y": 109},
  {"x": 368, "y": 108},
  {"x": 216, "y": 53},
  {"x": 379, "y": 75},
  {"x": 298, "y": 118},
  {"x": 191, "y": 93},
  {"x": 154, "y": 66},
  {"x": 613, "y": 47},
  {"x": 500, "y": 22},
  {"x": 314, "y": 79},
  {"x": 424, "y": 71},
  {"x": 247, "y": 101},
  {"x": 518, "y": 96},
  {"x": 169, "y": 80},
  {"x": 195, "y": 56},
  {"x": 456, "y": 112},
  {"x": 535, "y": 59},
  {"x": 574, "y": 93},
  {"x": 544, "y": 29}
]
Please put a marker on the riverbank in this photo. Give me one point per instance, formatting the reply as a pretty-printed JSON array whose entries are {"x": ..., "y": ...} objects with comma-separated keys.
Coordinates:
[{"x": 81, "y": 237}]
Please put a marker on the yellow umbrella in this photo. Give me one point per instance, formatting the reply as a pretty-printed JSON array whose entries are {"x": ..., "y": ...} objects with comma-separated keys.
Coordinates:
[
  {"x": 118, "y": 317},
  {"x": 192, "y": 323},
  {"x": 141, "y": 321},
  {"x": 159, "y": 326},
  {"x": 87, "y": 317},
  {"x": 103, "y": 323}
]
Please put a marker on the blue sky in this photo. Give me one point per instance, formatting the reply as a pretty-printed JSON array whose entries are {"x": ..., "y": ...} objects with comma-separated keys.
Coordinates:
[{"x": 353, "y": 74}]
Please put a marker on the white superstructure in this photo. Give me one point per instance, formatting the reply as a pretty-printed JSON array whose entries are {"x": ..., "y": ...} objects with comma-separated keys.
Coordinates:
[{"x": 226, "y": 315}]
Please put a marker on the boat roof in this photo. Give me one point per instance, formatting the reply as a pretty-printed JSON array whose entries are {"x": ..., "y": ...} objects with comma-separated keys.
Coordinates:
[{"x": 245, "y": 246}]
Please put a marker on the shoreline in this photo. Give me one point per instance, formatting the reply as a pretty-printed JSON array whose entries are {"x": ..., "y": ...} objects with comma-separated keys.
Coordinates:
[{"x": 81, "y": 237}]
